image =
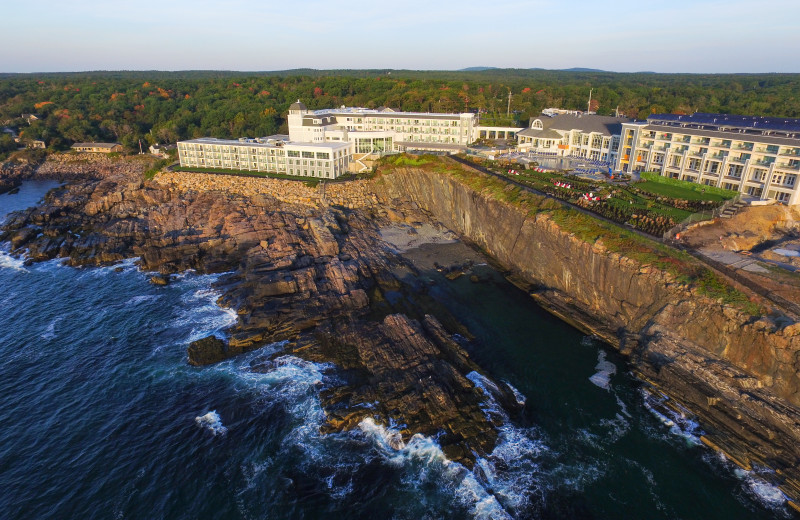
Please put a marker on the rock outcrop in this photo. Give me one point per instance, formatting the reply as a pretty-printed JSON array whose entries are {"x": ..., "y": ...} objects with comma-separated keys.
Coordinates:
[
  {"x": 691, "y": 347},
  {"x": 315, "y": 272},
  {"x": 315, "y": 277}
]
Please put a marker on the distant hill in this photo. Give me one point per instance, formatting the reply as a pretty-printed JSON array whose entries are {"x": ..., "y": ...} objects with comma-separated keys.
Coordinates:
[
  {"x": 582, "y": 69},
  {"x": 573, "y": 69}
]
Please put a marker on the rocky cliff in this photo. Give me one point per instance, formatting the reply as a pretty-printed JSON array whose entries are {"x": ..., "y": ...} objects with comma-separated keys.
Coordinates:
[
  {"x": 739, "y": 372},
  {"x": 317, "y": 275},
  {"x": 314, "y": 278}
]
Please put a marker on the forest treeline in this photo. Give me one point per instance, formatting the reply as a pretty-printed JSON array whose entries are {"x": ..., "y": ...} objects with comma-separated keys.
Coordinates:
[{"x": 164, "y": 107}]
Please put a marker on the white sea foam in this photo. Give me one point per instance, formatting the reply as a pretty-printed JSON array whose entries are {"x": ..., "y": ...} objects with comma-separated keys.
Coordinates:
[
  {"x": 50, "y": 332},
  {"x": 753, "y": 484},
  {"x": 519, "y": 397},
  {"x": 615, "y": 428},
  {"x": 200, "y": 310},
  {"x": 622, "y": 407},
  {"x": 513, "y": 470},
  {"x": 143, "y": 298},
  {"x": 490, "y": 406},
  {"x": 424, "y": 461},
  {"x": 128, "y": 264},
  {"x": 605, "y": 369},
  {"x": 212, "y": 422},
  {"x": 680, "y": 422},
  {"x": 291, "y": 383},
  {"x": 9, "y": 262},
  {"x": 770, "y": 496},
  {"x": 286, "y": 379}
]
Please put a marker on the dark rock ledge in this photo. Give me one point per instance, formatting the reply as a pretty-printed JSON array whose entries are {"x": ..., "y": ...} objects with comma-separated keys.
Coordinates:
[{"x": 315, "y": 277}]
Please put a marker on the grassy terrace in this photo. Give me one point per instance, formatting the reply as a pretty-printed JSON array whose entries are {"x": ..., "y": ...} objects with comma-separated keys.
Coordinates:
[
  {"x": 685, "y": 268},
  {"x": 653, "y": 206}
]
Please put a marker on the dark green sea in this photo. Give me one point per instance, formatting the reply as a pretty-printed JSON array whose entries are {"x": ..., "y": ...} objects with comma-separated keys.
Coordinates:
[{"x": 102, "y": 417}]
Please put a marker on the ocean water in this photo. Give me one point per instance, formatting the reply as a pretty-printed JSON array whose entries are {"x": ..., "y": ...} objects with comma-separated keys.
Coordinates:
[{"x": 103, "y": 417}]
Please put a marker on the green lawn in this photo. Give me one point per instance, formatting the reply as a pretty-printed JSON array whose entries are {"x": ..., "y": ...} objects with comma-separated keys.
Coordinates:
[
  {"x": 678, "y": 192},
  {"x": 677, "y": 189}
]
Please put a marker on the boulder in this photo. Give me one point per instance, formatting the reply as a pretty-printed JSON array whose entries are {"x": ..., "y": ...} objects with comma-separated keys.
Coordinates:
[
  {"x": 160, "y": 279},
  {"x": 207, "y": 351}
]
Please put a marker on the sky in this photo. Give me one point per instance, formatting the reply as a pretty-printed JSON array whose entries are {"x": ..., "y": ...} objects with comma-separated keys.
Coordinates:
[{"x": 699, "y": 36}]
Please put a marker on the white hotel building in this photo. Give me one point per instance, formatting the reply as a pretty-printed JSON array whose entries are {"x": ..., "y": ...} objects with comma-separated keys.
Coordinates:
[
  {"x": 327, "y": 143},
  {"x": 573, "y": 134},
  {"x": 270, "y": 154},
  {"x": 757, "y": 156}
]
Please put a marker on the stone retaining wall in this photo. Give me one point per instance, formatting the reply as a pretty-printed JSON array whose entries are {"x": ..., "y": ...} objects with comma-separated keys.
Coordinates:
[
  {"x": 75, "y": 165},
  {"x": 351, "y": 194}
]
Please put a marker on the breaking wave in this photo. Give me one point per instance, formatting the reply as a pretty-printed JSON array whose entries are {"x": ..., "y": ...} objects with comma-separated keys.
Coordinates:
[
  {"x": 10, "y": 262},
  {"x": 212, "y": 422}
]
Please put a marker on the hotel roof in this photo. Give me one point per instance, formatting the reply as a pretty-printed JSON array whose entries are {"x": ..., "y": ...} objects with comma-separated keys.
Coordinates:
[
  {"x": 370, "y": 112},
  {"x": 728, "y": 121},
  {"x": 254, "y": 143},
  {"x": 735, "y": 135},
  {"x": 587, "y": 123}
]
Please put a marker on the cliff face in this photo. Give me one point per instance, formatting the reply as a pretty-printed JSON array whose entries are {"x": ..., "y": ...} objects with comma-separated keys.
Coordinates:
[
  {"x": 313, "y": 278},
  {"x": 740, "y": 373}
]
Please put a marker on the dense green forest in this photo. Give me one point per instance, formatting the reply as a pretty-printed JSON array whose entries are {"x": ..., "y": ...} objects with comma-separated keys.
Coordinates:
[{"x": 154, "y": 106}]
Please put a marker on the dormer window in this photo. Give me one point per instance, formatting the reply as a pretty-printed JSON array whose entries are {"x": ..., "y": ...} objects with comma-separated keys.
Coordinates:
[{"x": 537, "y": 125}]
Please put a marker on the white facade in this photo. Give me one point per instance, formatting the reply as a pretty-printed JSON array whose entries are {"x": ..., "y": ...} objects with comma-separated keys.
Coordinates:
[
  {"x": 320, "y": 160},
  {"x": 573, "y": 134},
  {"x": 756, "y": 156},
  {"x": 381, "y": 131},
  {"x": 332, "y": 141}
]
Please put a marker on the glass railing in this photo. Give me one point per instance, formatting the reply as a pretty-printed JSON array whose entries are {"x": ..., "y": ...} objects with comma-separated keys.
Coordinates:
[{"x": 788, "y": 166}]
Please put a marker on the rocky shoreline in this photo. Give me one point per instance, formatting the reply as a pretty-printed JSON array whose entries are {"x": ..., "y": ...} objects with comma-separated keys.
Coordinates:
[
  {"x": 312, "y": 276},
  {"x": 738, "y": 374},
  {"x": 312, "y": 268}
]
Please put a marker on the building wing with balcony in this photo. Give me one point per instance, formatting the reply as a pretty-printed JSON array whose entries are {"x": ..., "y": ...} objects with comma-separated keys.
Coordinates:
[
  {"x": 273, "y": 154},
  {"x": 573, "y": 134},
  {"x": 757, "y": 156},
  {"x": 381, "y": 131},
  {"x": 351, "y": 138}
]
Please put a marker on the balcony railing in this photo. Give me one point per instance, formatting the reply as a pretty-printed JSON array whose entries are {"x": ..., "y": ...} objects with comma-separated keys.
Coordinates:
[{"x": 787, "y": 166}]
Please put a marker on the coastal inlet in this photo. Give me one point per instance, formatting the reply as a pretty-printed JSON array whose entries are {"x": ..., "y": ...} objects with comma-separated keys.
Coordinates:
[{"x": 311, "y": 419}]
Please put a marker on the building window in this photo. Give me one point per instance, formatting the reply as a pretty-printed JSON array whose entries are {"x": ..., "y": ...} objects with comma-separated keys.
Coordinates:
[{"x": 735, "y": 170}]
